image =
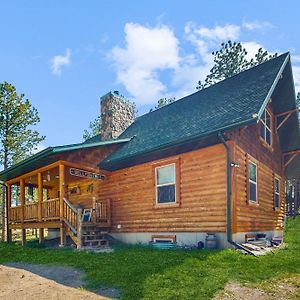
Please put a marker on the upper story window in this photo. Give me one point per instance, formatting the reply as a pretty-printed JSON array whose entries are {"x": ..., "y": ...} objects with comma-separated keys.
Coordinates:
[
  {"x": 266, "y": 127},
  {"x": 276, "y": 193},
  {"x": 166, "y": 184},
  {"x": 252, "y": 169}
]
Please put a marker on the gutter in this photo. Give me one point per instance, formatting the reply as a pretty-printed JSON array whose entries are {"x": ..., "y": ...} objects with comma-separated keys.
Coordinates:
[
  {"x": 8, "y": 237},
  {"x": 228, "y": 197}
]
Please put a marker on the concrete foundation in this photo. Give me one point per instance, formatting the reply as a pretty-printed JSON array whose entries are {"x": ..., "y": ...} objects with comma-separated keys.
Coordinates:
[
  {"x": 189, "y": 238},
  {"x": 182, "y": 238}
]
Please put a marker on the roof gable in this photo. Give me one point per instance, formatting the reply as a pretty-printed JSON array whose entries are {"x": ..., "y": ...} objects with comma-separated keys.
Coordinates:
[{"x": 230, "y": 103}]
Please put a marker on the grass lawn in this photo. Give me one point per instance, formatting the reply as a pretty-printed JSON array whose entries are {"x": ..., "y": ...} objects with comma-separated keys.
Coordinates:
[{"x": 143, "y": 273}]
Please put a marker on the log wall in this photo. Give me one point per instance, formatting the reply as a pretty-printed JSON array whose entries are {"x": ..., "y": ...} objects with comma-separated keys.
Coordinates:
[
  {"x": 262, "y": 216},
  {"x": 202, "y": 195}
]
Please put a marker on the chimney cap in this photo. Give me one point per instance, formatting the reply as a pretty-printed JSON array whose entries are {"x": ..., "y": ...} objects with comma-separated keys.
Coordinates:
[{"x": 110, "y": 93}]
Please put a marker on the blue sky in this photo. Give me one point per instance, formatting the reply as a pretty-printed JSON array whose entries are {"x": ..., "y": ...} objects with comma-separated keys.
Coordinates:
[{"x": 64, "y": 55}]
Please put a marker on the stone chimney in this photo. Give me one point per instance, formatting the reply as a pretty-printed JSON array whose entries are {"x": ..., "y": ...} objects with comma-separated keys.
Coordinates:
[{"x": 117, "y": 114}]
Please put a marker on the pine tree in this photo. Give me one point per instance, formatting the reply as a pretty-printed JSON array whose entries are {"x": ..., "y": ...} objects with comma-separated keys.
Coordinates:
[
  {"x": 230, "y": 60},
  {"x": 93, "y": 130},
  {"x": 17, "y": 137}
]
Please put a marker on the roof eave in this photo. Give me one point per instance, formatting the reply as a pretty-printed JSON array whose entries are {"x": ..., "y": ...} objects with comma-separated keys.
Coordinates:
[
  {"x": 106, "y": 163},
  {"x": 59, "y": 149}
]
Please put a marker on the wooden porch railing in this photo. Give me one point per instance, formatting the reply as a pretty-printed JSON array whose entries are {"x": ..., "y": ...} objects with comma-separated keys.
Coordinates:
[
  {"x": 31, "y": 212},
  {"x": 50, "y": 209},
  {"x": 102, "y": 212},
  {"x": 15, "y": 214},
  {"x": 72, "y": 216}
]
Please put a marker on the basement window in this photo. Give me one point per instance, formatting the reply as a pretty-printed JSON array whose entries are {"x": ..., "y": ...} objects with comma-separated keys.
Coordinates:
[
  {"x": 276, "y": 193},
  {"x": 252, "y": 169},
  {"x": 265, "y": 127},
  {"x": 165, "y": 184},
  {"x": 164, "y": 239}
]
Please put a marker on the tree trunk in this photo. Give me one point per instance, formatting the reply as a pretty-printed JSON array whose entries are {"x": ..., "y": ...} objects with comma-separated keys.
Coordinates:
[
  {"x": 3, "y": 204},
  {"x": 3, "y": 215}
]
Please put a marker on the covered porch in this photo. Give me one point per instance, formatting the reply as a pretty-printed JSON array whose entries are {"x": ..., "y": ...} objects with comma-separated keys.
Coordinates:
[{"x": 62, "y": 195}]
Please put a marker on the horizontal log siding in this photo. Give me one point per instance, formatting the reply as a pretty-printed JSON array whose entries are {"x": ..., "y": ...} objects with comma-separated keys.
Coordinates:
[
  {"x": 86, "y": 195},
  {"x": 259, "y": 217},
  {"x": 202, "y": 195},
  {"x": 88, "y": 157}
]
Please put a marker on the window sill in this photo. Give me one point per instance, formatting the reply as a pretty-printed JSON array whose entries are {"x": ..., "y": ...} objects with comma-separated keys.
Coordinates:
[
  {"x": 277, "y": 209},
  {"x": 253, "y": 203},
  {"x": 166, "y": 205}
]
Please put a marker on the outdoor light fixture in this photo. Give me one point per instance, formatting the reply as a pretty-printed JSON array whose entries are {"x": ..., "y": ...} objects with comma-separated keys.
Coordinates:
[
  {"x": 234, "y": 164},
  {"x": 48, "y": 176}
]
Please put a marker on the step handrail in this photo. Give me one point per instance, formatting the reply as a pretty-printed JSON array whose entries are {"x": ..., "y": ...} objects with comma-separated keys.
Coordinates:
[
  {"x": 67, "y": 221},
  {"x": 71, "y": 205}
]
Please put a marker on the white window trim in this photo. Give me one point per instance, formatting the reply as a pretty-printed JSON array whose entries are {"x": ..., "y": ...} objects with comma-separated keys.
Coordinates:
[
  {"x": 264, "y": 123},
  {"x": 252, "y": 181},
  {"x": 277, "y": 193},
  {"x": 167, "y": 239},
  {"x": 166, "y": 184}
]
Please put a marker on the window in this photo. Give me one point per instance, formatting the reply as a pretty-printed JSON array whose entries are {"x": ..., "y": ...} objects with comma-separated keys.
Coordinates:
[
  {"x": 166, "y": 184},
  {"x": 265, "y": 127},
  {"x": 164, "y": 239},
  {"x": 277, "y": 193},
  {"x": 252, "y": 181}
]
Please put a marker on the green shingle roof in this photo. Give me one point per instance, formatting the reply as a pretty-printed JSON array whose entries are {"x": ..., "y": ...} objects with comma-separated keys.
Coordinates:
[
  {"x": 45, "y": 156},
  {"x": 233, "y": 102}
]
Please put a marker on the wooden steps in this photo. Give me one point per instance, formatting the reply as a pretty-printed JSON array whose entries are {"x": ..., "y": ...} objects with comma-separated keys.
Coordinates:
[{"x": 93, "y": 237}]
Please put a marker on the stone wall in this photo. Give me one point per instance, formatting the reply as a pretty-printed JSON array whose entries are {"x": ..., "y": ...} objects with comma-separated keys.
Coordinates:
[{"x": 117, "y": 114}]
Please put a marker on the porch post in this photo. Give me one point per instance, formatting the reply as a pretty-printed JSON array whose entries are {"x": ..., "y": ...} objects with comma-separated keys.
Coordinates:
[
  {"x": 22, "y": 199},
  {"x": 40, "y": 201},
  {"x": 61, "y": 204},
  {"x": 79, "y": 228},
  {"x": 9, "y": 232}
]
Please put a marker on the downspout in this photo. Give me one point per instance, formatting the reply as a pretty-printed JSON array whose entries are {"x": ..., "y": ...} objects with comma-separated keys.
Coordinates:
[
  {"x": 228, "y": 196},
  {"x": 6, "y": 213}
]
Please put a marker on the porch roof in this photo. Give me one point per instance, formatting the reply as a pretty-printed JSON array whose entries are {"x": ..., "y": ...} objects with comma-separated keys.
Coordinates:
[{"x": 45, "y": 157}]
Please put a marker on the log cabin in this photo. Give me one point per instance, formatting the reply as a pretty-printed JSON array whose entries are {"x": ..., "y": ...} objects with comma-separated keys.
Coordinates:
[{"x": 213, "y": 162}]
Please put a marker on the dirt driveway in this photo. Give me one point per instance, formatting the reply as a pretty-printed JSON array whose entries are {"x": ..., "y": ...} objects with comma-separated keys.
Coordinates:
[{"x": 21, "y": 284}]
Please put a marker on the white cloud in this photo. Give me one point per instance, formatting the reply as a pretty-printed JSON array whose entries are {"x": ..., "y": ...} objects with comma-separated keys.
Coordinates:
[
  {"x": 147, "y": 50},
  {"x": 58, "y": 61},
  {"x": 296, "y": 73},
  {"x": 150, "y": 51},
  {"x": 258, "y": 25},
  {"x": 296, "y": 58},
  {"x": 218, "y": 33},
  {"x": 252, "y": 48}
]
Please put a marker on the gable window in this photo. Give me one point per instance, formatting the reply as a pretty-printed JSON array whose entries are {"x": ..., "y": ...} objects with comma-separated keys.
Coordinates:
[
  {"x": 252, "y": 169},
  {"x": 276, "y": 193},
  {"x": 165, "y": 184},
  {"x": 265, "y": 127}
]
